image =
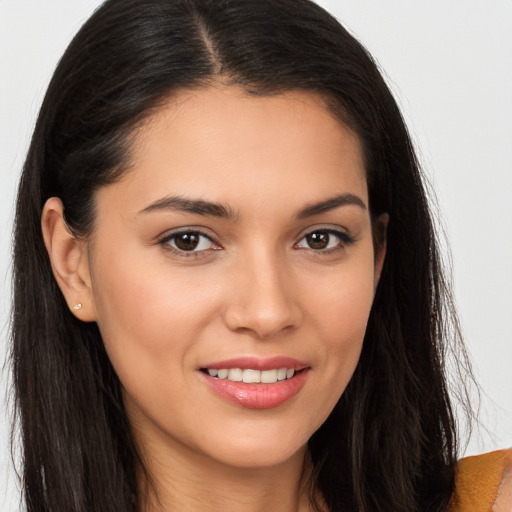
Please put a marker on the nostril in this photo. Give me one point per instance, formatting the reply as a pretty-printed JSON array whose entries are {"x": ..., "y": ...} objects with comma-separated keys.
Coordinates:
[
  {"x": 262, "y": 300},
  {"x": 262, "y": 322}
]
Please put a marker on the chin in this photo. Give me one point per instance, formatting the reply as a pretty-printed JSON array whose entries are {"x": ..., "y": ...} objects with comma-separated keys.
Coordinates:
[
  {"x": 259, "y": 455},
  {"x": 262, "y": 445}
]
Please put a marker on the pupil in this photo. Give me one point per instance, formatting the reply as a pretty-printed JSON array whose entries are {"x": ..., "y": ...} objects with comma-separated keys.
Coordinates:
[
  {"x": 318, "y": 240},
  {"x": 187, "y": 241}
]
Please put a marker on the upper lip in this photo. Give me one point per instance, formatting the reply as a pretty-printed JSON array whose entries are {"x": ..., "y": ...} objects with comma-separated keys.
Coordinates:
[{"x": 258, "y": 363}]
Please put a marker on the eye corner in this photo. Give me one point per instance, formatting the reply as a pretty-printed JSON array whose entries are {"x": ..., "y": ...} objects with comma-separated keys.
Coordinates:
[
  {"x": 323, "y": 242},
  {"x": 195, "y": 243}
]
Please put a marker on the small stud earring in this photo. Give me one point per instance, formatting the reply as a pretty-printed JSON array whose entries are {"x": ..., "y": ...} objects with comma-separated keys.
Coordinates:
[{"x": 77, "y": 307}]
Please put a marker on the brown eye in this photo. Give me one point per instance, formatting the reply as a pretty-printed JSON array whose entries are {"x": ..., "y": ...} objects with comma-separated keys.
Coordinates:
[
  {"x": 318, "y": 239},
  {"x": 189, "y": 241},
  {"x": 325, "y": 240}
]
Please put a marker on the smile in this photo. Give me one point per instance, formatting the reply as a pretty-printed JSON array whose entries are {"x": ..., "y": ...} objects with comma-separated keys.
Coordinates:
[
  {"x": 256, "y": 383},
  {"x": 250, "y": 376}
]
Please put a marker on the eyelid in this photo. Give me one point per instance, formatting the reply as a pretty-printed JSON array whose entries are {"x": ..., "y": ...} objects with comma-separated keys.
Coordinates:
[
  {"x": 345, "y": 237},
  {"x": 333, "y": 228},
  {"x": 164, "y": 240}
]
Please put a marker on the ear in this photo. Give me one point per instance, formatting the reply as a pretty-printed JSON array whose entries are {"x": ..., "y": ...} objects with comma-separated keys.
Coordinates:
[
  {"x": 69, "y": 260},
  {"x": 380, "y": 242}
]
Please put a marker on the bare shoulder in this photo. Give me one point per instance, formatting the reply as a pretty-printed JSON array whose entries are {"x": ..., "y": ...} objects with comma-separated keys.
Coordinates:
[{"x": 503, "y": 501}]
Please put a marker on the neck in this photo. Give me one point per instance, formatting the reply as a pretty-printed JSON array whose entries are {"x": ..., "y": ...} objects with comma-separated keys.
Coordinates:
[{"x": 183, "y": 480}]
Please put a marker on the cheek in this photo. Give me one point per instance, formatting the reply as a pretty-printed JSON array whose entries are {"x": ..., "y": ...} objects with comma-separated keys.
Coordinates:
[
  {"x": 151, "y": 319},
  {"x": 338, "y": 312},
  {"x": 339, "y": 301},
  {"x": 149, "y": 315}
]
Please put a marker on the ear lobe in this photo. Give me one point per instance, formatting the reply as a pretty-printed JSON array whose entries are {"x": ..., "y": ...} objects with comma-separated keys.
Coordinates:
[
  {"x": 381, "y": 227},
  {"x": 69, "y": 261}
]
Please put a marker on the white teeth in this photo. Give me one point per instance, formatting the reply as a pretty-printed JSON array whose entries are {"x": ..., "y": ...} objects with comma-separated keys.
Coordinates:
[
  {"x": 235, "y": 374},
  {"x": 252, "y": 376},
  {"x": 281, "y": 374},
  {"x": 269, "y": 376}
]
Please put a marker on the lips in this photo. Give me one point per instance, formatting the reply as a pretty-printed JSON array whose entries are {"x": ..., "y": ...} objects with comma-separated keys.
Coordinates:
[
  {"x": 256, "y": 383},
  {"x": 250, "y": 376}
]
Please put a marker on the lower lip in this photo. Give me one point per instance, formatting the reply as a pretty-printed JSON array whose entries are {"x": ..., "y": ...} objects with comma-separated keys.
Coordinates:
[{"x": 258, "y": 396}]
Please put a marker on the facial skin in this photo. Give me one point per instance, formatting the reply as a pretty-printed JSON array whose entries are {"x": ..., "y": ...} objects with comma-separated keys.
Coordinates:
[{"x": 254, "y": 286}]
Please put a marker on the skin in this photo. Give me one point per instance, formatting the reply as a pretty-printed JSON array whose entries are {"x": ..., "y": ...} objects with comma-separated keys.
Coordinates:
[
  {"x": 503, "y": 502},
  {"x": 256, "y": 289}
]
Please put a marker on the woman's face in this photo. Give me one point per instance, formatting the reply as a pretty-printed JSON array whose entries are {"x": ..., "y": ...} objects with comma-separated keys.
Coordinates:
[{"x": 239, "y": 244}]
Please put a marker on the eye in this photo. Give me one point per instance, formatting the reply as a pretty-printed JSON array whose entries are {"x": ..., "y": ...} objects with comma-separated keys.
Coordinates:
[
  {"x": 324, "y": 240},
  {"x": 189, "y": 241}
]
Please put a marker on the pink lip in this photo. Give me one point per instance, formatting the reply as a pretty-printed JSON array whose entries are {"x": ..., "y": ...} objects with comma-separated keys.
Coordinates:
[
  {"x": 257, "y": 363},
  {"x": 258, "y": 396}
]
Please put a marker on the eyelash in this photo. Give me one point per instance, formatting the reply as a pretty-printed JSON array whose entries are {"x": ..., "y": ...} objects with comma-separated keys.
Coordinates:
[
  {"x": 345, "y": 239},
  {"x": 166, "y": 240}
]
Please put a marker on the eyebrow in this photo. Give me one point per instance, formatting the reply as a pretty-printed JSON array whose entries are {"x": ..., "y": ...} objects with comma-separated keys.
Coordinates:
[
  {"x": 331, "y": 204},
  {"x": 211, "y": 209},
  {"x": 198, "y": 206}
]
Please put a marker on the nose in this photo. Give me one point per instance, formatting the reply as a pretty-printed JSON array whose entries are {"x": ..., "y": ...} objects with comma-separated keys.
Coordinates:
[{"x": 263, "y": 299}]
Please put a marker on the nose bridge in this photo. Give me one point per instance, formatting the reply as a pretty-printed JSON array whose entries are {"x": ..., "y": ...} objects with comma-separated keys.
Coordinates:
[{"x": 263, "y": 301}]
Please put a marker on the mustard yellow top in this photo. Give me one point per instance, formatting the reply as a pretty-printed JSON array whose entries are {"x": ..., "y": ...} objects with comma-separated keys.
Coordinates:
[{"x": 484, "y": 483}]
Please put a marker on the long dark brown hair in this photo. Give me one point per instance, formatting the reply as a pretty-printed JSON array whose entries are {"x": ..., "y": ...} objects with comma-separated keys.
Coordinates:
[{"x": 390, "y": 443}]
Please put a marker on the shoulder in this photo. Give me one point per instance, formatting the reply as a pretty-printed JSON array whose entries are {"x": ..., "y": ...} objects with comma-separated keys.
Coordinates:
[{"x": 483, "y": 483}]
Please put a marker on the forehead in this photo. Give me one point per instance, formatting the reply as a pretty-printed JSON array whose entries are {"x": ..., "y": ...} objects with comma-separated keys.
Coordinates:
[{"x": 223, "y": 144}]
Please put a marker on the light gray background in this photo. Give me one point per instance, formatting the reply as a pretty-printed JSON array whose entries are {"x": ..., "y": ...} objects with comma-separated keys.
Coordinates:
[{"x": 449, "y": 63}]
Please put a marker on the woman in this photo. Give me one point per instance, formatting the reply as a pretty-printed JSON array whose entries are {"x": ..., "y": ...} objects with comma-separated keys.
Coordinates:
[{"x": 240, "y": 299}]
